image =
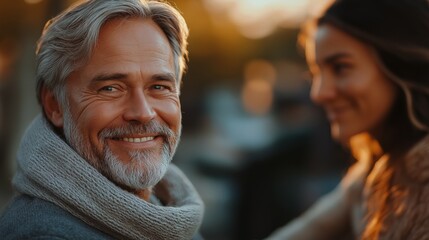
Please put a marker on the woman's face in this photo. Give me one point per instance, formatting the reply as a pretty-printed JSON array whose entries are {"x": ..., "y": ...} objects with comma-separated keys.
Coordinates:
[{"x": 348, "y": 83}]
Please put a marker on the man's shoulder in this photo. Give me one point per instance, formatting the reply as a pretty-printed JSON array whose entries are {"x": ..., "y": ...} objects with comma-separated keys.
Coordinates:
[{"x": 27, "y": 217}]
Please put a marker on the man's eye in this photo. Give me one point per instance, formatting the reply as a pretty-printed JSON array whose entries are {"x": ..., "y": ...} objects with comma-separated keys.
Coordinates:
[
  {"x": 108, "y": 89},
  {"x": 159, "y": 87}
]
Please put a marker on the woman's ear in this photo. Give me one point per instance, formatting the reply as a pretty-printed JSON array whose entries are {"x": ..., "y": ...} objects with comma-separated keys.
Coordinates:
[{"x": 51, "y": 107}]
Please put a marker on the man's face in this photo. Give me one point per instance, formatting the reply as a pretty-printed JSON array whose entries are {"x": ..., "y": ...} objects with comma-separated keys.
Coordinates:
[{"x": 124, "y": 112}]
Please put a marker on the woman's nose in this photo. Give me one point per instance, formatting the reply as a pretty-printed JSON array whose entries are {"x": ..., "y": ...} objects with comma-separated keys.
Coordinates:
[{"x": 323, "y": 89}]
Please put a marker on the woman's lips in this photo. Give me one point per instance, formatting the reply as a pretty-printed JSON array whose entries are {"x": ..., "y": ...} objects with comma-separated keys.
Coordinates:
[{"x": 335, "y": 114}]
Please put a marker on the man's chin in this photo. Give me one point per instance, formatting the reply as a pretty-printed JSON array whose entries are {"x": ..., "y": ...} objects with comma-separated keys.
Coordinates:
[{"x": 136, "y": 175}]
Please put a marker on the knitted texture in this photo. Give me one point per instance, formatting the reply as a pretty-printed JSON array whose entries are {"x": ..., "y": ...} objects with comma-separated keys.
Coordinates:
[{"x": 49, "y": 169}]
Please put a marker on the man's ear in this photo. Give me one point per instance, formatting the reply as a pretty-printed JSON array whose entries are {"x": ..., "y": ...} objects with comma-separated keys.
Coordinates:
[{"x": 52, "y": 108}]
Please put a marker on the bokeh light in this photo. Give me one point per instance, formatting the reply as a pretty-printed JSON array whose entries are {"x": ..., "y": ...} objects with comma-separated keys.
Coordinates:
[
  {"x": 257, "y": 92},
  {"x": 259, "y": 18}
]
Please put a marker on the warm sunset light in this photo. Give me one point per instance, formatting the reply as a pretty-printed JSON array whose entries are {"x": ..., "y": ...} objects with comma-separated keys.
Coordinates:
[
  {"x": 32, "y": 1},
  {"x": 257, "y": 92},
  {"x": 259, "y": 18},
  {"x": 257, "y": 96}
]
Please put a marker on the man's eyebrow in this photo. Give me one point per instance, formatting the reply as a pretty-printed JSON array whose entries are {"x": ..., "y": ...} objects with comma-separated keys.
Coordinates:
[
  {"x": 120, "y": 76},
  {"x": 165, "y": 77},
  {"x": 108, "y": 76}
]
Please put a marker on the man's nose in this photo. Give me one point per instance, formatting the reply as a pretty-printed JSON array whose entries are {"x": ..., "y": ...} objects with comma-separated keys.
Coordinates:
[
  {"x": 322, "y": 90},
  {"x": 139, "y": 108}
]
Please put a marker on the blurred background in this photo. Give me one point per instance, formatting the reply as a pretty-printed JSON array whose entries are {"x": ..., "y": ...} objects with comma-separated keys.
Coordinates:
[{"x": 256, "y": 148}]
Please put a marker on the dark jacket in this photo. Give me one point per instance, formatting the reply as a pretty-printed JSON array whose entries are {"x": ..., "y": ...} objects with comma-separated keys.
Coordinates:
[{"x": 27, "y": 217}]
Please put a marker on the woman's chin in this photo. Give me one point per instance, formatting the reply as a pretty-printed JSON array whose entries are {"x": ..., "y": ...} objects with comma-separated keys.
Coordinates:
[{"x": 341, "y": 134}]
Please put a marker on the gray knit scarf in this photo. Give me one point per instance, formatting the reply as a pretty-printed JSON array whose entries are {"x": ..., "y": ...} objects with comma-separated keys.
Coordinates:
[{"x": 49, "y": 169}]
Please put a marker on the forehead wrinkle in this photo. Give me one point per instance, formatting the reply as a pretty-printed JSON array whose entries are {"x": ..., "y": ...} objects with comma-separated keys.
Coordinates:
[{"x": 109, "y": 76}]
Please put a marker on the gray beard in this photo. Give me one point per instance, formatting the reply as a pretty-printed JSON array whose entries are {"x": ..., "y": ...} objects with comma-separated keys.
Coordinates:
[
  {"x": 145, "y": 168},
  {"x": 141, "y": 172}
]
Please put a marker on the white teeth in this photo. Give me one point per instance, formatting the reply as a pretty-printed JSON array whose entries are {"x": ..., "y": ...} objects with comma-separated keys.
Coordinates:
[{"x": 137, "y": 140}]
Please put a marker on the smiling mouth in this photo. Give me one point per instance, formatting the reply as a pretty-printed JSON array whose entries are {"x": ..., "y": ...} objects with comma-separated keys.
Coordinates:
[{"x": 135, "y": 140}]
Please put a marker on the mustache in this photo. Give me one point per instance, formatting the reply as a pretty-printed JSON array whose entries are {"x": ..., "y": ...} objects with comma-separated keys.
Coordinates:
[{"x": 152, "y": 127}]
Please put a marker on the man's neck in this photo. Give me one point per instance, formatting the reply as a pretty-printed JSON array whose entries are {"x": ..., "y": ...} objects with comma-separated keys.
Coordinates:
[
  {"x": 144, "y": 194},
  {"x": 141, "y": 193}
]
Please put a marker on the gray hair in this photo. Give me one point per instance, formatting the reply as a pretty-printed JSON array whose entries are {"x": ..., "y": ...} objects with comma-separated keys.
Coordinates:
[{"x": 68, "y": 40}]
